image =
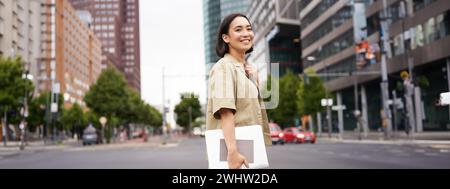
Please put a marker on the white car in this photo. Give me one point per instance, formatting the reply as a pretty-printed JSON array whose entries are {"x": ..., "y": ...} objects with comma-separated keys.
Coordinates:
[{"x": 199, "y": 131}]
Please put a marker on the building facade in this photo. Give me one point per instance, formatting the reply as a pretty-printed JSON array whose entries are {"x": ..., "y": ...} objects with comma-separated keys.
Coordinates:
[
  {"x": 20, "y": 27},
  {"x": 214, "y": 12},
  {"x": 71, "y": 53},
  {"x": 276, "y": 27},
  {"x": 419, "y": 35},
  {"x": 116, "y": 24}
]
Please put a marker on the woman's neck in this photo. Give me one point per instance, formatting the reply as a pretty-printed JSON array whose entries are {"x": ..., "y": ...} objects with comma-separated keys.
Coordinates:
[{"x": 240, "y": 57}]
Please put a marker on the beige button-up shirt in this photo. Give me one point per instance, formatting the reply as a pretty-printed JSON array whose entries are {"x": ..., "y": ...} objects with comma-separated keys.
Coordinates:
[{"x": 229, "y": 87}]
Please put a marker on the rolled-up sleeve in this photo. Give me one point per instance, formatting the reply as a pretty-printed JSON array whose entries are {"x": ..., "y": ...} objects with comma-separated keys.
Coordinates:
[{"x": 222, "y": 88}]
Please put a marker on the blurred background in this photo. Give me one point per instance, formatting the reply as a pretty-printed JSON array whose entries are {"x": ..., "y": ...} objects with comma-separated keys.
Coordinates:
[{"x": 122, "y": 83}]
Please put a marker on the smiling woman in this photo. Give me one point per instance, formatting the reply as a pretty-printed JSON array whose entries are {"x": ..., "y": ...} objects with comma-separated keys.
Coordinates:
[{"x": 233, "y": 99}]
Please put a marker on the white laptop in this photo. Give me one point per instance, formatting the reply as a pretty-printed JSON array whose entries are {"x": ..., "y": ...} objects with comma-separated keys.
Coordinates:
[{"x": 250, "y": 143}]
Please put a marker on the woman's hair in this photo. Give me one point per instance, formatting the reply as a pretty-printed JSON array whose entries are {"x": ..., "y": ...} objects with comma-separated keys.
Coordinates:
[{"x": 222, "y": 47}]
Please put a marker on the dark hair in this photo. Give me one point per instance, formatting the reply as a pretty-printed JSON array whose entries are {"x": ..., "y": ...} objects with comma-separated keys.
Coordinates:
[{"x": 222, "y": 47}]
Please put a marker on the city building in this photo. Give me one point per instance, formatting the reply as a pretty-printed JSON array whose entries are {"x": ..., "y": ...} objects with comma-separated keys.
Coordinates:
[
  {"x": 20, "y": 27},
  {"x": 277, "y": 35},
  {"x": 71, "y": 53},
  {"x": 214, "y": 12},
  {"x": 418, "y": 35},
  {"x": 116, "y": 24}
]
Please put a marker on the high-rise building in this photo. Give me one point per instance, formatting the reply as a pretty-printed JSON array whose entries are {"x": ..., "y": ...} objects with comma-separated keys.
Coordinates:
[
  {"x": 71, "y": 53},
  {"x": 116, "y": 23},
  {"x": 419, "y": 35},
  {"x": 277, "y": 32},
  {"x": 214, "y": 12},
  {"x": 20, "y": 27}
]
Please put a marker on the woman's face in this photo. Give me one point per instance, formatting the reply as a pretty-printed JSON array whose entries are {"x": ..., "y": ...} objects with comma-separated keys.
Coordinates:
[{"x": 240, "y": 35}]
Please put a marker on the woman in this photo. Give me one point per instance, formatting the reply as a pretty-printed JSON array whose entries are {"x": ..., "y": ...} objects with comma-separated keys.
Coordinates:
[{"x": 233, "y": 98}]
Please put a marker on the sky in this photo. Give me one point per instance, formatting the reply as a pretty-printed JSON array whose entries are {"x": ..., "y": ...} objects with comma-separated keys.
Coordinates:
[{"x": 171, "y": 37}]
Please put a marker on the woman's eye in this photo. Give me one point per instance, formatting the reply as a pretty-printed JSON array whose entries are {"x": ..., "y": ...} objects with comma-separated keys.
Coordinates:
[
  {"x": 249, "y": 29},
  {"x": 238, "y": 30}
]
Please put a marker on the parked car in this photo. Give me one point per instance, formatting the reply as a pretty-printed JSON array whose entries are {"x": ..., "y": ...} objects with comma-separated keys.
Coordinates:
[
  {"x": 199, "y": 131},
  {"x": 90, "y": 136},
  {"x": 297, "y": 135},
  {"x": 276, "y": 134}
]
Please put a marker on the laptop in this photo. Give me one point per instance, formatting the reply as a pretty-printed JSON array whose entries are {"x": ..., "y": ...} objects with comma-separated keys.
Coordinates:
[{"x": 250, "y": 143}]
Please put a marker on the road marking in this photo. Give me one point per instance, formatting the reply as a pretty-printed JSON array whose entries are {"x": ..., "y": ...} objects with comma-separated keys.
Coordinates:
[
  {"x": 431, "y": 154},
  {"x": 444, "y": 151},
  {"x": 395, "y": 151},
  {"x": 419, "y": 150},
  {"x": 364, "y": 156}
]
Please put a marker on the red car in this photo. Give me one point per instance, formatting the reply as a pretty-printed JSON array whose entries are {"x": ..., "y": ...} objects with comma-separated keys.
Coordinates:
[
  {"x": 297, "y": 135},
  {"x": 276, "y": 134}
]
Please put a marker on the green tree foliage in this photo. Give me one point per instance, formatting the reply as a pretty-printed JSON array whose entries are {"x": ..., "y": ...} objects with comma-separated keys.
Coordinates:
[
  {"x": 74, "y": 118},
  {"x": 286, "y": 112},
  {"x": 112, "y": 98},
  {"x": 311, "y": 91},
  {"x": 109, "y": 95},
  {"x": 182, "y": 109},
  {"x": 13, "y": 87}
]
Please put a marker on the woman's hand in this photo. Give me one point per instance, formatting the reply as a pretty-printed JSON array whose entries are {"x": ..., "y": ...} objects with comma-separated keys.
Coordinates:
[
  {"x": 235, "y": 160},
  {"x": 251, "y": 71}
]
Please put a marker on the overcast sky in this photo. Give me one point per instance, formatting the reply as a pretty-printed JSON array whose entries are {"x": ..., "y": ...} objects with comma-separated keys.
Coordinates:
[{"x": 171, "y": 36}]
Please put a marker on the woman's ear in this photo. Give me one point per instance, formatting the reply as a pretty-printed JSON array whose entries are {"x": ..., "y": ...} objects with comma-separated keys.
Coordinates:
[{"x": 226, "y": 38}]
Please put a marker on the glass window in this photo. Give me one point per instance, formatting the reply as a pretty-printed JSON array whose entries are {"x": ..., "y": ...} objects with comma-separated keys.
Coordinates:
[
  {"x": 337, "y": 20},
  {"x": 317, "y": 11},
  {"x": 430, "y": 30}
]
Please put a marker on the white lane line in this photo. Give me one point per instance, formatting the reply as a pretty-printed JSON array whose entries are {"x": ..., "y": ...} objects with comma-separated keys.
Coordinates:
[
  {"x": 365, "y": 156},
  {"x": 419, "y": 150},
  {"x": 396, "y": 151},
  {"x": 431, "y": 154},
  {"x": 444, "y": 151}
]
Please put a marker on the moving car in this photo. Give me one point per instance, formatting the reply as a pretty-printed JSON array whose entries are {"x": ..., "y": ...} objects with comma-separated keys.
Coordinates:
[
  {"x": 90, "y": 136},
  {"x": 276, "y": 134},
  {"x": 298, "y": 135}
]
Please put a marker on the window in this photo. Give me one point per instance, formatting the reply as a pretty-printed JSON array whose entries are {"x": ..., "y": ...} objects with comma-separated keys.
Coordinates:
[
  {"x": 328, "y": 26},
  {"x": 430, "y": 30},
  {"x": 420, "y": 4},
  {"x": 317, "y": 11}
]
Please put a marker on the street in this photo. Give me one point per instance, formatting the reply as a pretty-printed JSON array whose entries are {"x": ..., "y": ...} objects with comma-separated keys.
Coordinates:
[{"x": 191, "y": 154}]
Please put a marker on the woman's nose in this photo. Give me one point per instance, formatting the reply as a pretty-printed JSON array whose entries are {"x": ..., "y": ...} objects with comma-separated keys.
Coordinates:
[{"x": 246, "y": 33}]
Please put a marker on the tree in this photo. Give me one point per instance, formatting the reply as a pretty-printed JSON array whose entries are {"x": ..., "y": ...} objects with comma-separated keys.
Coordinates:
[
  {"x": 37, "y": 110},
  {"x": 74, "y": 119},
  {"x": 92, "y": 118},
  {"x": 13, "y": 88},
  {"x": 311, "y": 91},
  {"x": 109, "y": 97},
  {"x": 286, "y": 112},
  {"x": 153, "y": 116},
  {"x": 188, "y": 110},
  {"x": 40, "y": 114}
]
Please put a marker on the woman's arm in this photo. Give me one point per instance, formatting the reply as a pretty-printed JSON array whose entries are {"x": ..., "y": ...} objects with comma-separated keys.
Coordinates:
[{"x": 235, "y": 159}]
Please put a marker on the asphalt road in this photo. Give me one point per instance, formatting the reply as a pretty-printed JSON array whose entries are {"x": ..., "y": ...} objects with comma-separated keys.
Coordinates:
[{"x": 191, "y": 154}]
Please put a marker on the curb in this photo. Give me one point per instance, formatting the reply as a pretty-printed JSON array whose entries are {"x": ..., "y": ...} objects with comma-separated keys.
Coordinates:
[{"x": 394, "y": 142}]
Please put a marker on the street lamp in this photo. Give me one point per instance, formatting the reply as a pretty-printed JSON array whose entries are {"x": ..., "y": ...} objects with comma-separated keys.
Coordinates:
[
  {"x": 23, "y": 123},
  {"x": 103, "y": 121},
  {"x": 327, "y": 102}
]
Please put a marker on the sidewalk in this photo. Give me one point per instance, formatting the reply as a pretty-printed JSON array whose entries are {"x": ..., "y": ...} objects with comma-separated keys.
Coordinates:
[
  {"x": 13, "y": 147},
  {"x": 424, "y": 138}
]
